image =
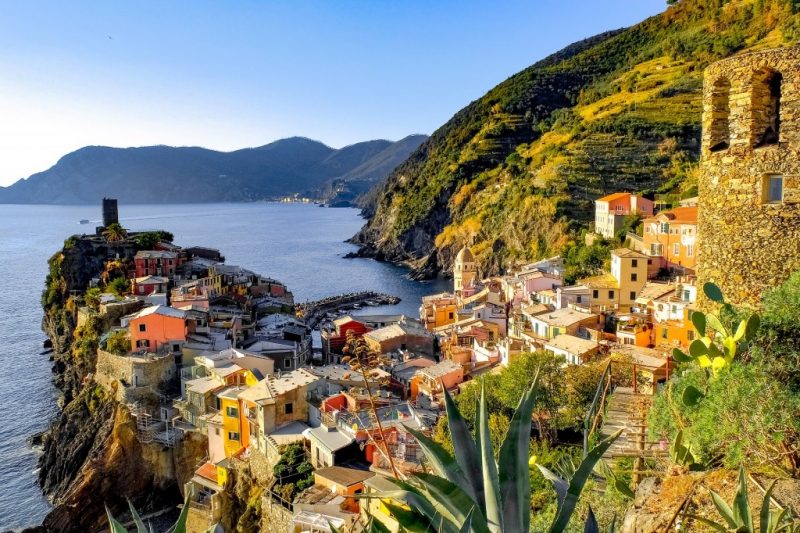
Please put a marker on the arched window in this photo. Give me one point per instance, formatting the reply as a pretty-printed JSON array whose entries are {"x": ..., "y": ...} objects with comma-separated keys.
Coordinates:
[
  {"x": 720, "y": 111},
  {"x": 766, "y": 107}
]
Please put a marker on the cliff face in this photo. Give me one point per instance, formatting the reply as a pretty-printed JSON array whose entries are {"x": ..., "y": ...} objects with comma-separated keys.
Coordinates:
[
  {"x": 92, "y": 457},
  {"x": 514, "y": 174}
]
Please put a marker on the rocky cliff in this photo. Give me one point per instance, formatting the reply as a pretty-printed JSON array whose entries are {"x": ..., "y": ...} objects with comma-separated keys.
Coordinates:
[{"x": 92, "y": 457}]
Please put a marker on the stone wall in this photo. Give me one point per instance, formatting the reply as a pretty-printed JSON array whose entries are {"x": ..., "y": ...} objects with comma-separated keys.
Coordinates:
[
  {"x": 133, "y": 378},
  {"x": 747, "y": 244}
]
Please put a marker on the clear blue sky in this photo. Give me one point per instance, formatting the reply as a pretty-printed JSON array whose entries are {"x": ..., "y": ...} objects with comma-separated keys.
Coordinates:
[{"x": 227, "y": 74}]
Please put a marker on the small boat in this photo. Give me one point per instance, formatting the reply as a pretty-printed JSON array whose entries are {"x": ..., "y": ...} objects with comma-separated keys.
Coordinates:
[{"x": 83, "y": 221}]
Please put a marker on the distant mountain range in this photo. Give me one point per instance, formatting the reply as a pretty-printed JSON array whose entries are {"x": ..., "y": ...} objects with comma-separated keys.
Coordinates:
[{"x": 166, "y": 174}]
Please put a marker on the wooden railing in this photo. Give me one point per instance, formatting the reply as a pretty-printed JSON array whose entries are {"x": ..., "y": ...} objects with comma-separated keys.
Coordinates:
[{"x": 592, "y": 419}]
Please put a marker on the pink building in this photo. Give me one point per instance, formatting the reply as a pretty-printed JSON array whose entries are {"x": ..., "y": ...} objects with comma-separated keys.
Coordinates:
[{"x": 610, "y": 211}]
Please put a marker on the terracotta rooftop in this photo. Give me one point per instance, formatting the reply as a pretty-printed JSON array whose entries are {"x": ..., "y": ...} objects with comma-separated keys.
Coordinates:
[{"x": 614, "y": 196}]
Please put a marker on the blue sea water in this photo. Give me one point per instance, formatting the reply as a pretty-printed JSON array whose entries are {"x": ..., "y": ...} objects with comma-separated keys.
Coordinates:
[{"x": 299, "y": 244}]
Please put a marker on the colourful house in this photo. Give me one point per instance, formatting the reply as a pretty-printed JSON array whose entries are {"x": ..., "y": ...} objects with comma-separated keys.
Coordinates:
[
  {"x": 157, "y": 327},
  {"x": 333, "y": 340},
  {"x": 232, "y": 420},
  {"x": 438, "y": 310},
  {"x": 149, "y": 285},
  {"x": 672, "y": 236},
  {"x": 610, "y": 211},
  {"x": 156, "y": 263},
  {"x": 618, "y": 290}
]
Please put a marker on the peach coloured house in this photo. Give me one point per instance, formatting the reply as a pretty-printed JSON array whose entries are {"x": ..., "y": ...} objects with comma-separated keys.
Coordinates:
[
  {"x": 157, "y": 326},
  {"x": 610, "y": 211},
  {"x": 672, "y": 235}
]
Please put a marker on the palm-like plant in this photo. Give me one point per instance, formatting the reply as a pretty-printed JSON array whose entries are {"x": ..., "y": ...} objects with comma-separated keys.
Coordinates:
[
  {"x": 115, "y": 233},
  {"x": 738, "y": 517},
  {"x": 469, "y": 491},
  {"x": 178, "y": 527},
  {"x": 365, "y": 360}
]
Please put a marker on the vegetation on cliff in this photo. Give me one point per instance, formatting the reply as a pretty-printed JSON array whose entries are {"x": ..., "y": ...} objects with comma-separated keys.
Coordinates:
[{"x": 514, "y": 173}]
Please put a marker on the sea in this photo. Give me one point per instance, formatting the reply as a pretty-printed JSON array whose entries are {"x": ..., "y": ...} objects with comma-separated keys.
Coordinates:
[{"x": 302, "y": 245}]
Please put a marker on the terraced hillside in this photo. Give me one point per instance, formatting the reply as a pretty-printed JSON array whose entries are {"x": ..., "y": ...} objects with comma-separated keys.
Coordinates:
[{"x": 514, "y": 173}]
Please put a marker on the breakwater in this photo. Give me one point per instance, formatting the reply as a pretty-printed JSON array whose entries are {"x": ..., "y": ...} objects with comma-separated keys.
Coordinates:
[{"x": 314, "y": 311}]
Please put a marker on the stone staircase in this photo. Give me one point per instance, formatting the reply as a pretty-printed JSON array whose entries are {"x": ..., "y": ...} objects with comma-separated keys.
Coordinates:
[{"x": 627, "y": 410}]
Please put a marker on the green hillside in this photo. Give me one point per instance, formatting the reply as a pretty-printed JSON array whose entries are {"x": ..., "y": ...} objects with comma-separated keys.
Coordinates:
[{"x": 514, "y": 173}]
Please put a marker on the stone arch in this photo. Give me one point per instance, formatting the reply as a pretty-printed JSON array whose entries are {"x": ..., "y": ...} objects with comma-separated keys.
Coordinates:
[
  {"x": 720, "y": 136},
  {"x": 766, "y": 107}
]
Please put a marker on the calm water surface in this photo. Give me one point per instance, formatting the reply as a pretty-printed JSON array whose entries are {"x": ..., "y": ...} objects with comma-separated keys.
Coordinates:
[{"x": 301, "y": 245}]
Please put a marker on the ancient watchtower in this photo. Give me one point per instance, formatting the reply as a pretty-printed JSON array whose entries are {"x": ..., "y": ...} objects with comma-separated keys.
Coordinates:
[
  {"x": 110, "y": 213},
  {"x": 749, "y": 187}
]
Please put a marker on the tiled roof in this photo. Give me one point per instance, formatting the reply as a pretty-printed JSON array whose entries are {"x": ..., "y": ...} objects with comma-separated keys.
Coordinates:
[
  {"x": 162, "y": 310},
  {"x": 615, "y": 196}
]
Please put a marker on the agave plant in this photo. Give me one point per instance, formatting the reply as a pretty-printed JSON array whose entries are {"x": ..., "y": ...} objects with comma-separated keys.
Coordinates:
[
  {"x": 470, "y": 492},
  {"x": 717, "y": 346},
  {"x": 737, "y": 515},
  {"x": 178, "y": 527}
]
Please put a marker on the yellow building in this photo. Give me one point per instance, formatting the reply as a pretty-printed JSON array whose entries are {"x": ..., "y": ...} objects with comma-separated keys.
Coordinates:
[
  {"x": 618, "y": 290},
  {"x": 464, "y": 271},
  {"x": 438, "y": 310},
  {"x": 229, "y": 408}
]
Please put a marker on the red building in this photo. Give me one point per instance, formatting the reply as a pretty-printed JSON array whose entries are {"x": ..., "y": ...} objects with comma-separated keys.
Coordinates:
[
  {"x": 156, "y": 263},
  {"x": 333, "y": 341}
]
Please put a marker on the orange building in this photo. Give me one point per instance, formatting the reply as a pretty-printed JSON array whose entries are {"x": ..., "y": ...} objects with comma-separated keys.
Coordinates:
[
  {"x": 672, "y": 235},
  {"x": 158, "y": 326},
  {"x": 611, "y": 210}
]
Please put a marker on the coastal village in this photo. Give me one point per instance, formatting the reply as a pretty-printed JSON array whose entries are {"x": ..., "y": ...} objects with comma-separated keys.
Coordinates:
[{"x": 206, "y": 352}]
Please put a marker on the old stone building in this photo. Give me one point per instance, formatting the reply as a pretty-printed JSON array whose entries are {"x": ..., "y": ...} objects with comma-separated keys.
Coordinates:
[{"x": 749, "y": 217}]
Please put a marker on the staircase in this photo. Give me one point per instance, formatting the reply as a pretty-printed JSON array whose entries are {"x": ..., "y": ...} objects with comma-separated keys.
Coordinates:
[{"x": 627, "y": 410}]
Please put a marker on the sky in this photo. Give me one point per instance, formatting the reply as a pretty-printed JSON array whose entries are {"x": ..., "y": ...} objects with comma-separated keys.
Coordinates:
[{"x": 235, "y": 74}]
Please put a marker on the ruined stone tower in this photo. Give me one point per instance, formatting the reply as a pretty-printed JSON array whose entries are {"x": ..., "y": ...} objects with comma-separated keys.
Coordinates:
[
  {"x": 110, "y": 213},
  {"x": 749, "y": 187}
]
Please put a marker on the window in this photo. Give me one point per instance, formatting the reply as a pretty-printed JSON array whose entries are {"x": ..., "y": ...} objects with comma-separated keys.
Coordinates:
[
  {"x": 595, "y": 294},
  {"x": 720, "y": 109},
  {"x": 634, "y": 263},
  {"x": 690, "y": 335},
  {"x": 633, "y": 295},
  {"x": 287, "y": 363},
  {"x": 611, "y": 294},
  {"x": 216, "y": 431},
  {"x": 773, "y": 189},
  {"x": 232, "y": 411},
  {"x": 142, "y": 327},
  {"x": 143, "y": 343},
  {"x": 578, "y": 299},
  {"x": 674, "y": 309},
  {"x": 676, "y": 249},
  {"x": 689, "y": 250},
  {"x": 634, "y": 276},
  {"x": 664, "y": 333},
  {"x": 288, "y": 408},
  {"x": 233, "y": 435},
  {"x": 766, "y": 106},
  {"x": 450, "y": 316}
]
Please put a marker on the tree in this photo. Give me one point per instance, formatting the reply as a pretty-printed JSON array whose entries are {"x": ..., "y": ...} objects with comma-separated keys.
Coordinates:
[
  {"x": 115, "y": 233},
  {"x": 92, "y": 297},
  {"x": 119, "y": 286},
  {"x": 118, "y": 342}
]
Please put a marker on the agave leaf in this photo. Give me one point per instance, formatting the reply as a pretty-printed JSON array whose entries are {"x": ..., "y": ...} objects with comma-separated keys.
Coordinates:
[
  {"x": 514, "y": 475},
  {"x": 560, "y": 485},
  {"x": 443, "y": 464},
  {"x": 699, "y": 322},
  {"x": 466, "y": 450},
  {"x": 741, "y": 505},
  {"x": 778, "y": 518},
  {"x": 698, "y": 348},
  {"x": 691, "y": 396},
  {"x": 591, "y": 523},
  {"x": 180, "y": 525},
  {"x": 724, "y": 509},
  {"x": 753, "y": 323},
  {"x": 713, "y": 292},
  {"x": 679, "y": 356},
  {"x": 418, "y": 501},
  {"x": 140, "y": 527},
  {"x": 333, "y": 528},
  {"x": 467, "y": 526},
  {"x": 491, "y": 480},
  {"x": 765, "y": 517},
  {"x": 567, "y": 507},
  {"x": 713, "y": 322},
  {"x": 115, "y": 526},
  {"x": 376, "y": 526},
  {"x": 451, "y": 501},
  {"x": 409, "y": 520},
  {"x": 706, "y": 521}
]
